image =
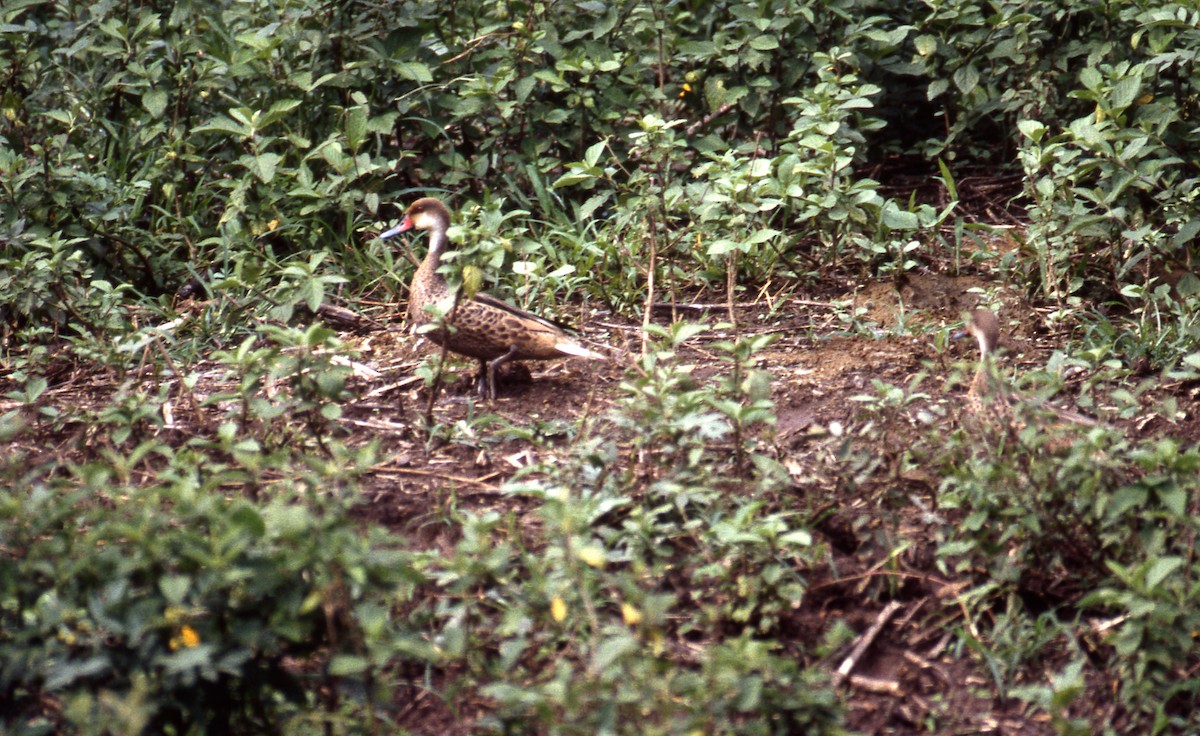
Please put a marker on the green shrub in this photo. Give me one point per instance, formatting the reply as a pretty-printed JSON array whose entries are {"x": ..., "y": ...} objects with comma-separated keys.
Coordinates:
[
  {"x": 1106, "y": 527},
  {"x": 172, "y": 608},
  {"x": 220, "y": 141}
]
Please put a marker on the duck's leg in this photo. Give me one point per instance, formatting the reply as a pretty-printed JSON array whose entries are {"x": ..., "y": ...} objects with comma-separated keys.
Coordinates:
[
  {"x": 481, "y": 380},
  {"x": 491, "y": 369}
]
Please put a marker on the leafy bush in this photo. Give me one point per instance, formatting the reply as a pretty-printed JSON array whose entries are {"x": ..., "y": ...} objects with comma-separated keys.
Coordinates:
[
  {"x": 169, "y": 607},
  {"x": 1097, "y": 520},
  {"x": 218, "y": 142}
]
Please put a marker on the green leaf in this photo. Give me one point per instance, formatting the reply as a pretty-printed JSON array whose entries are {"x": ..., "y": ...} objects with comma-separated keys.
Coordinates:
[
  {"x": 174, "y": 587},
  {"x": 1086, "y": 130},
  {"x": 356, "y": 126},
  {"x": 187, "y": 659},
  {"x": 61, "y": 116},
  {"x": 551, "y": 78},
  {"x": 895, "y": 218},
  {"x": 700, "y": 49},
  {"x": 263, "y": 165},
  {"x": 578, "y": 175},
  {"x": 592, "y": 154},
  {"x": 966, "y": 78},
  {"x": 304, "y": 81},
  {"x": 262, "y": 39},
  {"x": 605, "y": 25},
  {"x": 287, "y": 521},
  {"x": 760, "y": 167},
  {"x": 799, "y": 537},
  {"x": 414, "y": 71},
  {"x": 715, "y": 94},
  {"x": 1031, "y": 129},
  {"x": 588, "y": 208},
  {"x": 61, "y": 675},
  {"x": 722, "y": 246},
  {"x": 761, "y": 235},
  {"x": 224, "y": 124},
  {"x": 611, "y": 650},
  {"x": 1187, "y": 232},
  {"x": 1175, "y": 499},
  {"x": 348, "y": 665},
  {"x": 279, "y": 108},
  {"x": 948, "y": 180},
  {"x": 926, "y": 44},
  {"x": 1161, "y": 569},
  {"x": 155, "y": 102},
  {"x": 681, "y": 332},
  {"x": 522, "y": 88},
  {"x": 1123, "y": 500},
  {"x": 1125, "y": 92},
  {"x": 764, "y": 43},
  {"x": 248, "y": 518}
]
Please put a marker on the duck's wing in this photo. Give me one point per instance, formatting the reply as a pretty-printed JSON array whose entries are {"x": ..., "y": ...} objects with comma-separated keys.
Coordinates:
[{"x": 493, "y": 302}]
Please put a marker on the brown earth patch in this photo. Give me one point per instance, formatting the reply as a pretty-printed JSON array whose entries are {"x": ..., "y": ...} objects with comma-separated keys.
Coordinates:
[{"x": 910, "y": 680}]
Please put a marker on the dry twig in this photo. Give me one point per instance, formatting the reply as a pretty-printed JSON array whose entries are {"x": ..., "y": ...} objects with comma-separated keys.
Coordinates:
[{"x": 864, "y": 642}]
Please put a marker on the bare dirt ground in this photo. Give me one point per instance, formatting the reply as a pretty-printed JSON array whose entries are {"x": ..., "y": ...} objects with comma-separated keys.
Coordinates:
[{"x": 910, "y": 676}]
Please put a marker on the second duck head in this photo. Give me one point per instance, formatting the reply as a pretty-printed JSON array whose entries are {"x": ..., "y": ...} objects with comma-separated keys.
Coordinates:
[{"x": 984, "y": 326}]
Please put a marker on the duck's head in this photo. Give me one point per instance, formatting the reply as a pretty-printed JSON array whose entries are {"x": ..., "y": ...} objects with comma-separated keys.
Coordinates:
[
  {"x": 985, "y": 328},
  {"x": 424, "y": 214}
]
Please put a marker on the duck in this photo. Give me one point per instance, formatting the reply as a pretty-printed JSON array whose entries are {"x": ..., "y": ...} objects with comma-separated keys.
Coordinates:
[
  {"x": 482, "y": 327},
  {"x": 987, "y": 397},
  {"x": 989, "y": 401}
]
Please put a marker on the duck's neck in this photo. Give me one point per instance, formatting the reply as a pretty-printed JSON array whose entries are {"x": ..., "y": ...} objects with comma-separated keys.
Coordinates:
[
  {"x": 438, "y": 242},
  {"x": 985, "y": 350},
  {"x": 984, "y": 383}
]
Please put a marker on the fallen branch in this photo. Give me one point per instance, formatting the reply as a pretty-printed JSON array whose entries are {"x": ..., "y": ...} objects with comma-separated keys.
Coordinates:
[
  {"x": 864, "y": 642},
  {"x": 876, "y": 685},
  {"x": 387, "y": 470},
  {"x": 703, "y": 122}
]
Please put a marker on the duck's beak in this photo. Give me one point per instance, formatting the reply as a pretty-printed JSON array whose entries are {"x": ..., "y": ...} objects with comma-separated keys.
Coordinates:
[{"x": 403, "y": 227}]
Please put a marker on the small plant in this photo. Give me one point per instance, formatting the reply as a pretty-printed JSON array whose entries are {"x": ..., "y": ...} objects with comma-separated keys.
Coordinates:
[
  {"x": 891, "y": 413},
  {"x": 673, "y": 419},
  {"x": 289, "y": 388}
]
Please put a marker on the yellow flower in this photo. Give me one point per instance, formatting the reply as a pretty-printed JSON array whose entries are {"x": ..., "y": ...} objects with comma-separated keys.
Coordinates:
[
  {"x": 591, "y": 556},
  {"x": 658, "y": 644},
  {"x": 558, "y": 609},
  {"x": 187, "y": 638},
  {"x": 631, "y": 614}
]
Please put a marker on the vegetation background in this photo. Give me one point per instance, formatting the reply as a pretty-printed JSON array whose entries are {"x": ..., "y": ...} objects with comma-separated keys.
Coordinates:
[{"x": 191, "y": 535}]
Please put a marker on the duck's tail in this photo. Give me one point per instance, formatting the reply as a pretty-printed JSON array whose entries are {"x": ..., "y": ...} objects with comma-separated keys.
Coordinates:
[{"x": 569, "y": 347}]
